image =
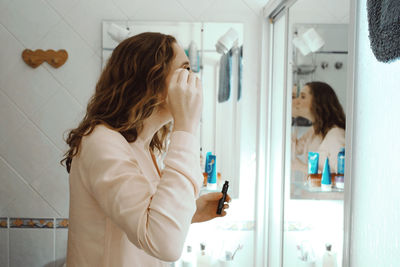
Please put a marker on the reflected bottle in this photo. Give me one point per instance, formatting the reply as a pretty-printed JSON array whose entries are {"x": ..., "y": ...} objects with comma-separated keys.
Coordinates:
[
  {"x": 203, "y": 259},
  {"x": 339, "y": 180},
  {"x": 329, "y": 258},
  {"x": 189, "y": 258},
  {"x": 313, "y": 178},
  {"x": 326, "y": 181}
]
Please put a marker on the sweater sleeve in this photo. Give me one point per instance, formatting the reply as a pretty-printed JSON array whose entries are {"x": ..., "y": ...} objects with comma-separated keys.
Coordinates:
[
  {"x": 154, "y": 219},
  {"x": 330, "y": 147},
  {"x": 299, "y": 143}
]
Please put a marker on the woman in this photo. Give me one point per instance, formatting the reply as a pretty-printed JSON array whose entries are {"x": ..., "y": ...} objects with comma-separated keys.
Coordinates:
[
  {"x": 319, "y": 104},
  {"x": 124, "y": 211}
]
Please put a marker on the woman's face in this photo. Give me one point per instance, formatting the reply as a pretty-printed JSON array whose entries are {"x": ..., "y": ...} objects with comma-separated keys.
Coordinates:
[
  {"x": 180, "y": 61},
  {"x": 302, "y": 104}
]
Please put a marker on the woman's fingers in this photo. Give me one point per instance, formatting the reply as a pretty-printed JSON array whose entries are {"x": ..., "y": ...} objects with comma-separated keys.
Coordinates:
[
  {"x": 184, "y": 101},
  {"x": 192, "y": 80},
  {"x": 183, "y": 75},
  {"x": 216, "y": 196},
  {"x": 198, "y": 83},
  {"x": 213, "y": 196}
]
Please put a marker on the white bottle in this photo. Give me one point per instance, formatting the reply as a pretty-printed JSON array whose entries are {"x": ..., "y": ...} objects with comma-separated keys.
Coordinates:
[
  {"x": 203, "y": 259},
  {"x": 329, "y": 258},
  {"x": 189, "y": 258}
]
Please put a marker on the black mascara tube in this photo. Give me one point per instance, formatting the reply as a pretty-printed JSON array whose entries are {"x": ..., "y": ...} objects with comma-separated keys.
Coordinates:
[{"x": 222, "y": 200}]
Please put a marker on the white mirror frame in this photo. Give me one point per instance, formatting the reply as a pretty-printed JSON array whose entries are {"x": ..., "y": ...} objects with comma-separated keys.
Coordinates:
[{"x": 268, "y": 242}]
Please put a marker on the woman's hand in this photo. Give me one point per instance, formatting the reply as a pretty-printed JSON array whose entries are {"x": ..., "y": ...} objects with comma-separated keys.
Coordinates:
[
  {"x": 185, "y": 100},
  {"x": 207, "y": 207},
  {"x": 298, "y": 165}
]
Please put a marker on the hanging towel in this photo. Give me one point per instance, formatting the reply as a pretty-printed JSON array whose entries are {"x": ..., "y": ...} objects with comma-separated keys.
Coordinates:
[
  {"x": 384, "y": 28},
  {"x": 240, "y": 64},
  {"x": 225, "y": 66}
]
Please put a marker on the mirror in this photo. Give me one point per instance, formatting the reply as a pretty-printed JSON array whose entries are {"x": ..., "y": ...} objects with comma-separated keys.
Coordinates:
[
  {"x": 220, "y": 72},
  {"x": 327, "y": 63},
  {"x": 316, "y": 79},
  {"x": 308, "y": 42}
]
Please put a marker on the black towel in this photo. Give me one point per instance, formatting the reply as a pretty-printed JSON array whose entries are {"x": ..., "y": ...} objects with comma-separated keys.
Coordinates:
[{"x": 384, "y": 28}]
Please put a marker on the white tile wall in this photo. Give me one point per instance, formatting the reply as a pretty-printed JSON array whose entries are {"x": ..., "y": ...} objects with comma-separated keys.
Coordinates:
[
  {"x": 31, "y": 247},
  {"x": 11, "y": 118},
  {"x": 196, "y": 8},
  {"x": 80, "y": 72},
  {"x": 28, "y": 88},
  {"x": 10, "y": 47},
  {"x": 38, "y": 105},
  {"x": 53, "y": 186},
  {"x": 29, "y": 151},
  {"x": 62, "y": 6},
  {"x": 28, "y": 21},
  {"x": 309, "y": 11},
  {"x": 61, "y": 246},
  {"x": 12, "y": 186},
  {"x": 85, "y": 19},
  {"x": 4, "y": 247},
  {"x": 60, "y": 113}
]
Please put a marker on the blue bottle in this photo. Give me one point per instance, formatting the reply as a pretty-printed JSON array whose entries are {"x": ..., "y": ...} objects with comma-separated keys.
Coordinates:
[
  {"x": 326, "y": 182},
  {"x": 339, "y": 180}
]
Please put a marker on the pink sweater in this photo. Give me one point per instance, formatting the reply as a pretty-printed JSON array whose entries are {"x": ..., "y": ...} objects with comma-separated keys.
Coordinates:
[
  {"x": 122, "y": 213},
  {"x": 328, "y": 147}
]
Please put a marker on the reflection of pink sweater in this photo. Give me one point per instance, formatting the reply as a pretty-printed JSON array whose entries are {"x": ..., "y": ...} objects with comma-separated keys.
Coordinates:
[
  {"x": 327, "y": 147},
  {"x": 122, "y": 213}
]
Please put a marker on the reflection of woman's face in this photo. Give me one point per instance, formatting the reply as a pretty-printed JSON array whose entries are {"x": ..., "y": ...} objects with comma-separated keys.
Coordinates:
[{"x": 302, "y": 104}]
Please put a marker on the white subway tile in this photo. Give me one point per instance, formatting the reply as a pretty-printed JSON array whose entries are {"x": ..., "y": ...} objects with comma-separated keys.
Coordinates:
[
  {"x": 11, "y": 187},
  {"x": 53, "y": 185},
  {"x": 61, "y": 246},
  {"x": 28, "y": 88},
  {"x": 80, "y": 72},
  {"x": 196, "y": 8},
  {"x": 11, "y": 118},
  {"x": 28, "y": 21},
  {"x": 86, "y": 18},
  {"x": 10, "y": 52},
  {"x": 62, "y": 6},
  {"x": 29, "y": 151},
  {"x": 256, "y": 5},
  {"x": 130, "y": 8},
  {"x": 167, "y": 10},
  {"x": 227, "y": 10},
  {"x": 29, "y": 205},
  {"x": 59, "y": 114},
  {"x": 31, "y": 247},
  {"x": 4, "y": 247}
]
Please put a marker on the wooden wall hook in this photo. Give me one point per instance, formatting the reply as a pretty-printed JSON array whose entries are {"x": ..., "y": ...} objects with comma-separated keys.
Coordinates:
[{"x": 35, "y": 58}]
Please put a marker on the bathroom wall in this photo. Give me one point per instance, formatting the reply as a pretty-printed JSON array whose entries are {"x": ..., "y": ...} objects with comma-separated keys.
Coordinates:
[
  {"x": 38, "y": 105},
  {"x": 375, "y": 237}
]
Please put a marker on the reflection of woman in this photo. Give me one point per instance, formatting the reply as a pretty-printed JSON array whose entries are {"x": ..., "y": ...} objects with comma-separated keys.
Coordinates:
[
  {"x": 123, "y": 210},
  {"x": 319, "y": 104}
]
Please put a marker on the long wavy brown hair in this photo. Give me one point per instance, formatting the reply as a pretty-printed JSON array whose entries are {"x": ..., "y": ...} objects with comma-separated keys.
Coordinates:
[
  {"x": 326, "y": 108},
  {"x": 131, "y": 86}
]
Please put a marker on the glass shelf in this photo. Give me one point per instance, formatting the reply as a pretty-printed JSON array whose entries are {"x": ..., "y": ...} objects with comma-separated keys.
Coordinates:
[{"x": 299, "y": 190}]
